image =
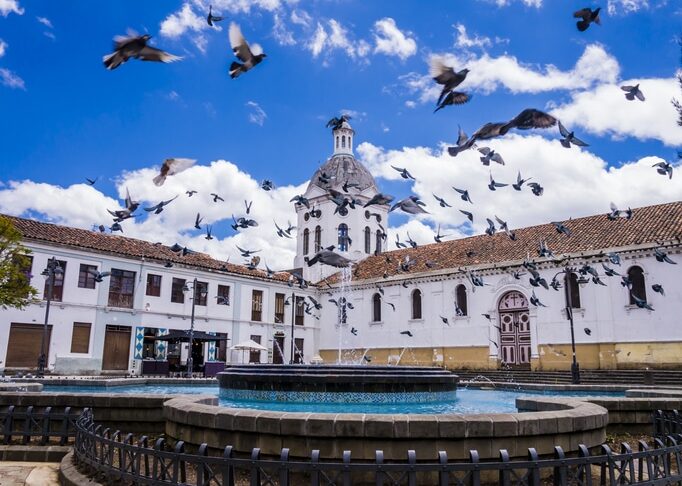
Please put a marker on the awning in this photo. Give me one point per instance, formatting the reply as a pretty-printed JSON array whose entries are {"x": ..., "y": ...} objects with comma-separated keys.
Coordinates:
[
  {"x": 249, "y": 345},
  {"x": 182, "y": 336}
]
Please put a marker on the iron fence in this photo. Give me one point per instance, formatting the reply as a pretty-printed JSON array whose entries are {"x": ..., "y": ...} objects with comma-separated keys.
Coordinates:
[
  {"x": 110, "y": 455},
  {"x": 30, "y": 426},
  {"x": 667, "y": 422}
]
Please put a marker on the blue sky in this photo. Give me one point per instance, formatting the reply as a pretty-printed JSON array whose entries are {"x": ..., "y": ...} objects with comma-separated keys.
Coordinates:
[{"x": 66, "y": 117}]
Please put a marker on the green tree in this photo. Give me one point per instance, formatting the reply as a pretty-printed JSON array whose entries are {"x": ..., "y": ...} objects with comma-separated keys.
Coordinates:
[{"x": 15, "y": 286}]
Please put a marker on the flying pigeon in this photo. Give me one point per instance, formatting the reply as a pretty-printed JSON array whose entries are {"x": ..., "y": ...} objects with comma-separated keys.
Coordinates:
[
  {"x": 438, "y": 239},
  {"x": 329, "y": 257},
  {"x": 171, "y": 167},
  {"x": 190, "y": 193},
  {"x": 453, "y": 98},
  {"x": 519, "y": 182},
  {"x": 410, "y": 241},
  {"x": 403, "y": 172},
  {"x": 444, "y": 319},
  {"x": 443, "y": 203},
  {"x": 469, "y": 215},
  {"x": 99, "y": 276},
  {"x": 561, "y": 228},
  {"x": 250, "y": 57},
  {"x": 197, "y": 221},
  {"x": 208, "y": 232},
  {"x": 658, "y": 288},
  {"x": 489, "y": 155},
  {"x": 632, "y": 92},
  {"x": 641, "y": 303},
  {"x": 462, "y": 144},
  {"x": 246, "y": 253},
  {"x": 490, "y": 230},
  {"x": 300, "y": 199},
  {"x": 464, "y": 195},
  {"x": 494, "y": 185},
  {"x": 535, "y": 301},
  {"x": 664, "y": 168},
  {"x": 527, "y": 119},
  {"x": 216, "y": 197},
  {"x": 410, "y": 205},
  {"x": 587, "y": 16},
  {"x": 406, "y": 333},
  {"x": 569, "y": 138},
  {"x": 663, "y": 257},
  {"x": 588, "y": 331},
  {"x": 248, "y": 206},
  {"x": 91, "y": 182},
  {"x": 267, "y": 185},
  {"x": 398, "y": 243},
  {"x": 213, "y": 18},
  {"x": 445, "y": 75},
  {"x": 135, "y": 46},
  {"x": 158, "y": 208},
  {"x": 536, "y": 188},
  {"x": 614, "y": 258},
  {"x": 379, "y": 200},
  {"x": 353, "y": 331},
  {"x": 609, "y": 272}
]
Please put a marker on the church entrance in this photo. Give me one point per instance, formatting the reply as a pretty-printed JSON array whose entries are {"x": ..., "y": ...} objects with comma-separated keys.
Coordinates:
[{"x": 514, "y": 330}]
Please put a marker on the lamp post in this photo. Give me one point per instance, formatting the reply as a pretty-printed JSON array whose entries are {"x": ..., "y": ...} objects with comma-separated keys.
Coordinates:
[
  {"x": 293, "y": 319},
  {"x": 568, "y": 271},
  {"x": 51, "y": 271}
]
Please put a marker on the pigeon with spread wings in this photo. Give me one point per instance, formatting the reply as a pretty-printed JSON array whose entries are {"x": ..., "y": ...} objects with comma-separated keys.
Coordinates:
[{"x": 249, "y": 56}]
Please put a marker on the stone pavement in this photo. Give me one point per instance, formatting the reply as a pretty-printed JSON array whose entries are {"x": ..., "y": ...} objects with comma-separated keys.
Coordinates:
[{"x": 16, "y": 473}]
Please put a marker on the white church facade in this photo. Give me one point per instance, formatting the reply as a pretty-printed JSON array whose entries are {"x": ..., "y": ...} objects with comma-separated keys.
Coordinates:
[{"x": 461, "y": 304}]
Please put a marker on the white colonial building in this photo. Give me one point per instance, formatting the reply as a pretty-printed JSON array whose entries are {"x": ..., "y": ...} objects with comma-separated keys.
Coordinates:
[{"x": 428, "y": 312}]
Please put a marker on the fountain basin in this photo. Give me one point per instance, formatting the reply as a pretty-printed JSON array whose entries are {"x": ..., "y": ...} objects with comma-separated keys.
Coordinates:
[{"x": 337, "y": 383}]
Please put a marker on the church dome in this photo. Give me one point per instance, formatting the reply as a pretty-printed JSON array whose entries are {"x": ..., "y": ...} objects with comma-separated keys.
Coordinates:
[{"x": 340, "y": 169}]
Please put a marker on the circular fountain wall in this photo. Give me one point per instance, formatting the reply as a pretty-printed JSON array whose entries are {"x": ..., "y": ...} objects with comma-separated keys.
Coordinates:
[{"x": 337, "y": 383}]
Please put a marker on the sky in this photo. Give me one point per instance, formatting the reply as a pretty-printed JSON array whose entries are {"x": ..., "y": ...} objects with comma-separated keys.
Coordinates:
[{"x": 64, "y": 117}]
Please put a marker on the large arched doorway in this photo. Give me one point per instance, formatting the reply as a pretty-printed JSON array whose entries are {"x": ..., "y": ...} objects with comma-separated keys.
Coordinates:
[{"x": 514, "y": 330}]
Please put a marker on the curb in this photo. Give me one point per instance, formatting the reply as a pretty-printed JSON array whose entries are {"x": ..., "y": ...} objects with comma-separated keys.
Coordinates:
[{"x": 69, "y": 475}]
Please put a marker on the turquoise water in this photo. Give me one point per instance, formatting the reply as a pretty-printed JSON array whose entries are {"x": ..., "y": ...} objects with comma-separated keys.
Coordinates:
[{"x": 467, "y": 400}]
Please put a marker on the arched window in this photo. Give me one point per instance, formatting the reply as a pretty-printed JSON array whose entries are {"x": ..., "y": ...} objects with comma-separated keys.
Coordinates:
[
  {"x": 417, "y": 304},
  {"x": 343, "y": 141},
  {"x": 376, "y": 308},
  {"x": 636, "y": 276},
  {"x": 368, "y": 243},
  {"x": 349, "y": 142},
  {"x": 574, "y": 290},
  {"x": 378, "y": 242},
  {"x": 318, "y": 238},
  {"x": 461, "y": 300},
  {"x": 343, "y": 237},
  {"x": 337, "y": 141},
  {"x": 306, "y": 241}
]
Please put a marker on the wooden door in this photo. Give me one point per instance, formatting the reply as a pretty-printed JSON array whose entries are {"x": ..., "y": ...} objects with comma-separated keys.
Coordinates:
[
  {"x": 116, "y": 348},
  {"x": 23, "y": 345},
  {"x": 515, "y": 338}
]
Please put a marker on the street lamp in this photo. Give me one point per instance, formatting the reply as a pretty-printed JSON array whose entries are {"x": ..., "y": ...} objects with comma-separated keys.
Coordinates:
[
  {"x": 293, "y": 318},
  {"x": 190, "y": 358},
  {"x": 568, "y": 271},
  {"x": 51, "y": 271}
]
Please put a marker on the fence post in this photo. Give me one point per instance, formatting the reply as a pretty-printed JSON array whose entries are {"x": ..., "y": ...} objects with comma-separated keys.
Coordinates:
[
  {"x": 201, "y": 467},
  {"x": 158, "y": 465},
  {"x": 627, "y": 463},
  {"x": 658, "y": 443},
  {"x": 27, "y": 425},
  {"x": 255, "y": 469},
  {"x": 608, "y": 464},
  {"x": 411, "y": 473},
  {"x": 178, "y": 463},
  {"x": 475, "y": 472},
  {"x": 8, "y": 425},
  {"x": 47, "y": 416},
  {"x": 68, "y": 423},
  {"x": 379, "y": 473},
  {"x": 346, "y": 469},
  {"x": 643, "y": 447},
  {"x": 560, "y": 471},
  {"x": 315, "y": 473},
  {"x": 585, "y": 469},
  {"x": 505, "y": 473},
  {"x": 534, "y": 469},
  {"x": 227, "y": 468},
  {"x": 443, "y": 474},
  {"x": 284, "y": 467}
]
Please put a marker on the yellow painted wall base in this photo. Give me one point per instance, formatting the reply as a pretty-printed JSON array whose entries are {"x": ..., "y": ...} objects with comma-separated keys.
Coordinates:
[{"x": 552, "y": 357}]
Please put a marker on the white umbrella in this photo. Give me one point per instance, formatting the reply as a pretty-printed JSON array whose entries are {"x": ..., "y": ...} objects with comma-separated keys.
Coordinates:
[{"x": 249, "y": 345}]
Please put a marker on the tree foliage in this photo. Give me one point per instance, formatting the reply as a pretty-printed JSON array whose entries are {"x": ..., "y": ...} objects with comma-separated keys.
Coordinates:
[
  {"x": 15, "y": 286},
  {"x": 676, "y": 103}
]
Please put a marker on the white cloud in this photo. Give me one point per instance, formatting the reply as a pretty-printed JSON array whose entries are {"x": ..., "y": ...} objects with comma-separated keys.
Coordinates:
[
  {"x": 463, "y": 40},
  {"x": 239, "y": 6},
  {"x": 257, "y": 115},
  {"x": 527, "y": 3},
  {"x": 175, "y": 223},
  {"x": 391, "y": 41},
  {"x": 301, "y": 17},
  {"x": 281, "y": 33},
  {"x": 333, "y": 36},
  {"x": 3, "y": 47},
  {"x": 571, "y": 175},
  {"x": 45, "y": 21},
  {"x": 182, "y": 21},
  {"x": 9, "y": 6},
  {"x": 625, "y": 7},
  {"x": 488, "y": 73},
  {"x": 50, "y": 35},
  {"x": 605, "y": 111},
  {"x": 11, "y": 80}
]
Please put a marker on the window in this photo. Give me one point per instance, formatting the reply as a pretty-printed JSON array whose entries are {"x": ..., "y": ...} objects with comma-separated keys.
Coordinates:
[
  {"x": 636, "y": 276},
  {"x": 201, "y": 292},
  {"x": 343, "y": 141},
  {"x": 223, "y": 295},
  {"x": 80, "y": 337},
  {"x": 177, "y": 290},
  {"x": 300, "y": 309},
  {"x": 461, "y": 300},
  {"x": 298, "y": 350},
  {"x": 86, "y": 280},
  {"x": 153, "y": 285},
  {"x": 337, "y": 141},
  {"x": 417, "y": 304},
  {"x": 318, "y": 239},
  {"x": 368, "y": 243},
  {"x": 378, "y": 242},
  {"x": 343, "y": 237},
  {"x": 306, "y": 241},
  {"x": 254, "y": 355},
  {"x": 257, "y": 305},
  {"x": 58, "y": 286},
  {"x": 149, "y": 343},
  {"x": 121, "y": 288},
  {"x": 279, "y": 308},
  {"x": 574, "y": 291},
  {"x": 376, "y": 308},
  {"x": 349, "y": 145}
]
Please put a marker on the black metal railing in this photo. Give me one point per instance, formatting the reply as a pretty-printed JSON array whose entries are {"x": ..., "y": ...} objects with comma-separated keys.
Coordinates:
[
  {"x": 30, "y": 426},
  {"x": 667, "y": 422},
  {"x": 109, "y": 455}
]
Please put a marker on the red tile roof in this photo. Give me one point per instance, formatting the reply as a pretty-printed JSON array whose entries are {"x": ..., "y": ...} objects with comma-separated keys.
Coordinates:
[
  {"x": 651, "y": 224},
  {"x": 127, "y": 247}
]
